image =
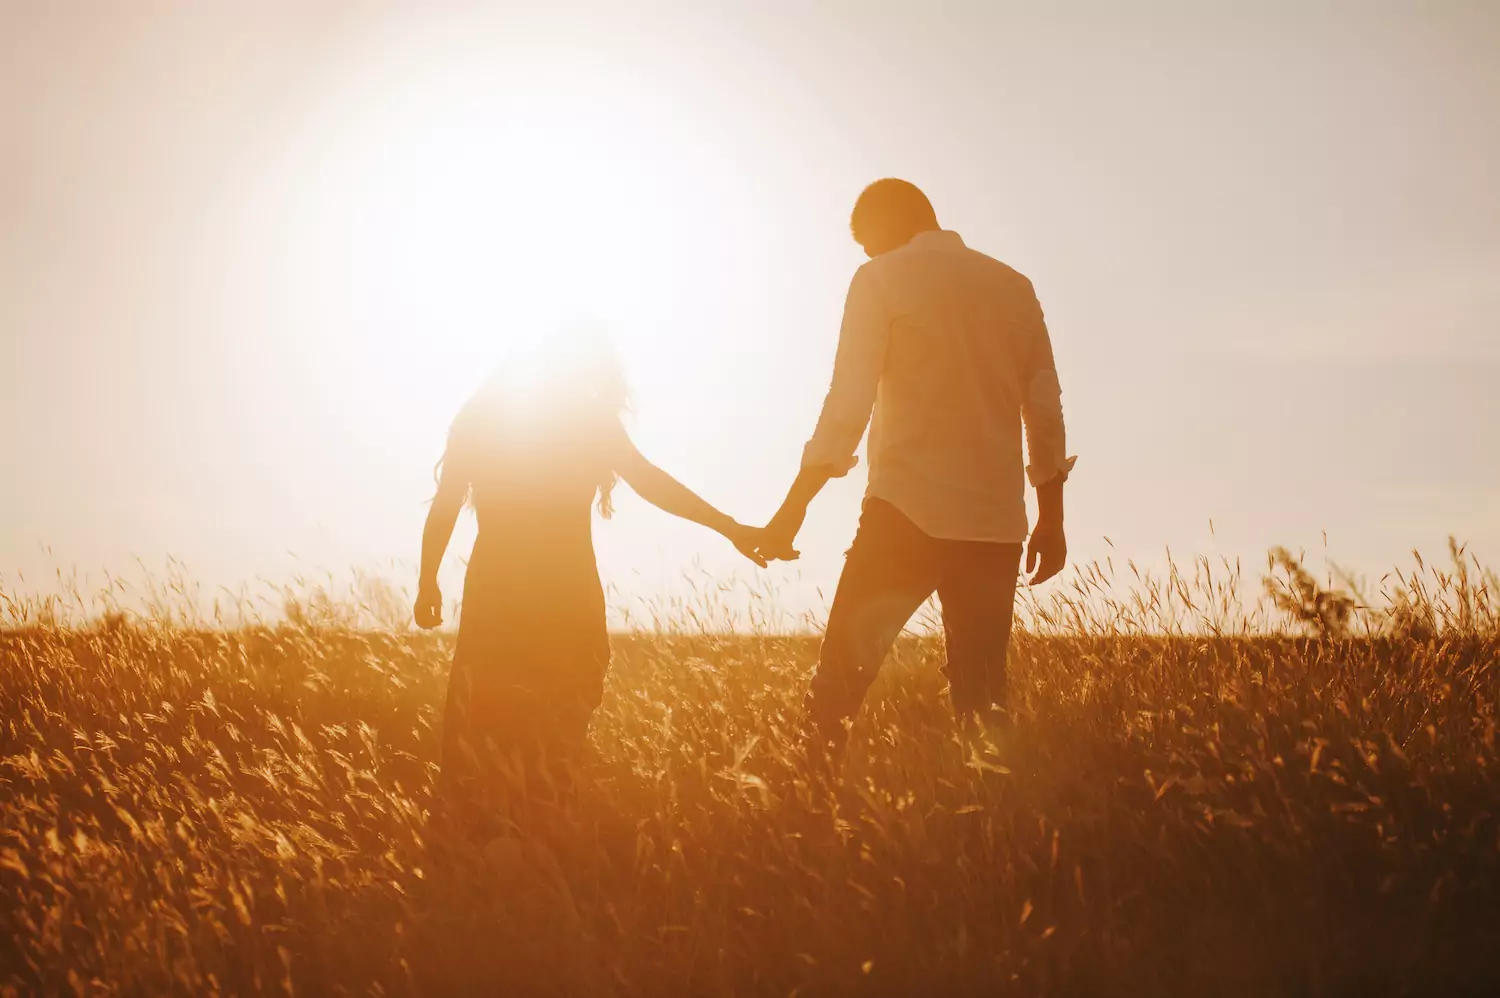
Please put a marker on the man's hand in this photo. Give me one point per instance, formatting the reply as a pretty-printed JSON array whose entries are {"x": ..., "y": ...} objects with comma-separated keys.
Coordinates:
[
  {"x": 780, "y": 534},
  {"x": 429, "y": 608},
  {"x": 1047, "y": 553},
  {"x": 778, "y": 547}
]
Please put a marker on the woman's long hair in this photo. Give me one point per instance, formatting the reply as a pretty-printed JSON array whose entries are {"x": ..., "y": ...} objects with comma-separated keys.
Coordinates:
[{"x": 573, "y": 379}]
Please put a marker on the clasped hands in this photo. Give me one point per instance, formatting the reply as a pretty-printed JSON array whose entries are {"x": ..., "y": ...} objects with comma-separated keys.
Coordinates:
[{"x": 763, "y": 545}]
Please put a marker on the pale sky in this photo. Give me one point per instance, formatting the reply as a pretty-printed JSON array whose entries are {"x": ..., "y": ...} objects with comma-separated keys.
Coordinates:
[{"x": 254, "y": 256}]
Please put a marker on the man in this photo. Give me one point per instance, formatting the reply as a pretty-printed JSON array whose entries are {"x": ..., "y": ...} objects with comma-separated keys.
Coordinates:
[{"x": 949, "y": 349}]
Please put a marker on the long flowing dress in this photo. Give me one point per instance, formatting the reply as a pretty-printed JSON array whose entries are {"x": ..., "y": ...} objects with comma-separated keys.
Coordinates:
[{"x": 533, "y": 647}]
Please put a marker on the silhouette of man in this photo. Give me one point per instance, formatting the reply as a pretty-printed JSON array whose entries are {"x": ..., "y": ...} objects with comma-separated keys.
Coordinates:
[{"x": 947, "y": 346}]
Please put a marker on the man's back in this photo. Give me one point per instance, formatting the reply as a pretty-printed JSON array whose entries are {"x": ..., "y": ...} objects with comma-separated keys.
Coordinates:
[{"x": 956, "y": 343}]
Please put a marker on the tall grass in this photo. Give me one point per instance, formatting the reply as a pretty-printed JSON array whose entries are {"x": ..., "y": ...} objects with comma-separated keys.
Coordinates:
[{"x": 1198, "y": 797}]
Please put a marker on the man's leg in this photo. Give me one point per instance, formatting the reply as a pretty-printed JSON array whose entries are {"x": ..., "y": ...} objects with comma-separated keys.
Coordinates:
[
  {"x": 889, "y": 572},
  {"x": 978, "y": 593}
]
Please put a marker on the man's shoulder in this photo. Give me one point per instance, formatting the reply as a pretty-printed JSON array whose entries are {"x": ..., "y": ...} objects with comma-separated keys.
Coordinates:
[
  {"x": 956, "y": 250},
  {"x": 995, "y": 267}
]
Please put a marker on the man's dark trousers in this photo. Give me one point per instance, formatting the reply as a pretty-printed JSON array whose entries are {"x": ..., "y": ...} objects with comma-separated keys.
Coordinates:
[{"x": 889, "y": 572}]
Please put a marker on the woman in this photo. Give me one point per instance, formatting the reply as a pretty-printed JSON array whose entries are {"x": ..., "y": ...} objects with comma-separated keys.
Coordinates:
[{"x": 532, "y": 450}]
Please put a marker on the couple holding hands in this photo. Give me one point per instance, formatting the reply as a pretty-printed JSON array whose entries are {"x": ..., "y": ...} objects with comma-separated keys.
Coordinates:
[{"x": 943, "y": 354}]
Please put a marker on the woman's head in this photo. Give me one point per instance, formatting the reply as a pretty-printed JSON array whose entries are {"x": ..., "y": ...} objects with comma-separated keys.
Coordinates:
[
  {"x": 570, "y": 373},
  {"x": 554, "y": 404}
]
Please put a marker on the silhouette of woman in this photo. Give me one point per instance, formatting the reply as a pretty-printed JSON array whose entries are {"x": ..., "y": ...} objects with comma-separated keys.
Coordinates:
[{"x": 531, "y": 450}]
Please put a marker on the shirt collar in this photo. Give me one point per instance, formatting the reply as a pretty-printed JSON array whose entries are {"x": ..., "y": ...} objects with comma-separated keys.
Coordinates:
[{"x": 937, "y": 237}]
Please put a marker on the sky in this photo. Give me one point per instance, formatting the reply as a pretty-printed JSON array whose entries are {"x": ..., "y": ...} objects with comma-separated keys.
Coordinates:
[{"x": 253, "y": 257}]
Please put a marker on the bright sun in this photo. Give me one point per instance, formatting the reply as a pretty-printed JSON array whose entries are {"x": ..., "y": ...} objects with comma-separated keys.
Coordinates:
[{"x": 451, "y": 213}]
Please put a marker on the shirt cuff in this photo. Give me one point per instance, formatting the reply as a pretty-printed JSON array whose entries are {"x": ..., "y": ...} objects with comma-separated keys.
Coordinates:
[
  {"x": 1044, "y": 474},
  {"x": 814, "y": 455}
]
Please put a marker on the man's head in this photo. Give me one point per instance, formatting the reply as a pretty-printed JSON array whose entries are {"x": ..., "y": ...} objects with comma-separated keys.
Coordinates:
[{"x": 888, "y": 214}]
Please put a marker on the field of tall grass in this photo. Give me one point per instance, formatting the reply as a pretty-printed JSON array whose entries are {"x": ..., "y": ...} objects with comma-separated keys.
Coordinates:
[{"x": 1295, "y": 797}]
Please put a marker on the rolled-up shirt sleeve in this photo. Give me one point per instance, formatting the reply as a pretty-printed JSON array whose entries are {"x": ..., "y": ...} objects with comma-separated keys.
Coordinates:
[
  {"x": 863, "y": 338},
  {"x": 1041, "y": 399}
]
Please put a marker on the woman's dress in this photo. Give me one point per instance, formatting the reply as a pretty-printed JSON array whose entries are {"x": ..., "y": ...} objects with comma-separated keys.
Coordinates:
[{"x": 533, "y": 647}]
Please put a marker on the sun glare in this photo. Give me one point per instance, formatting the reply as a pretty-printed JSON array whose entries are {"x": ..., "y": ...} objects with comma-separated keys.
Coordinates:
[{"x": 456, "y": 216}]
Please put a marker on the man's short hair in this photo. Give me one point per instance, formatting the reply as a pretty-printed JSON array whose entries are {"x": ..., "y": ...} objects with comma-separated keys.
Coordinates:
[{"x": 893, "y": 206}]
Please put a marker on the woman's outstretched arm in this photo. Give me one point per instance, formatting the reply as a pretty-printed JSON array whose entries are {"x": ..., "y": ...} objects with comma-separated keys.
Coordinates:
[
  {"x": 669, "y": 495},
  {"x": 436, "y": 534}
]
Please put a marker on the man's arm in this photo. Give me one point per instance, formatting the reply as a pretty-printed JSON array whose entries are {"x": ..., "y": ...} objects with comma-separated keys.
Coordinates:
[
  {"x": 863, "y": 338},
  {"x": 781, "y": 532},
  {"x": 1046, "y": 443}
]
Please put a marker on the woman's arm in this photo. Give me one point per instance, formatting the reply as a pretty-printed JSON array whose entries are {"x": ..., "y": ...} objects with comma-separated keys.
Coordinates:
[
  {"x": 669, "y": 495},
  {"x": 436, "y": 534}
]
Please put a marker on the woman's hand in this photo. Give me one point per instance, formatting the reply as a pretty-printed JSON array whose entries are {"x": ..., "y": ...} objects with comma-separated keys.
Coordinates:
[
  {"x": 429, "y": 608},
  {"x": 747, "y": 541}
]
